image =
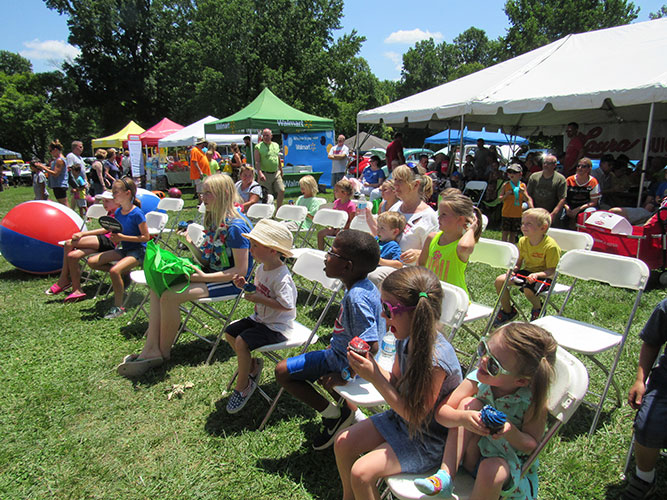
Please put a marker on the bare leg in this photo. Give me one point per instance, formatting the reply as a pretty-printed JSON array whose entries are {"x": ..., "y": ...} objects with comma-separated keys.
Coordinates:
[
  {"x": 116, "y": 272},
  {"x": 491, "y": 475},
  {"x": 170, "y": 314},
  {"x": 244, "y": 359},
  {"x": 645, "y": 458},
  {"x": 300, "y": 389},
  {"x": 532, "y": 298},
  {"x": 280, "y": 196},
  {"x": 505, "y": 297}
]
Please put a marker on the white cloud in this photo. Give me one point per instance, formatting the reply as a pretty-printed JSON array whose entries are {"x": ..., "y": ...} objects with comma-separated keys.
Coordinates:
[
  {"x": 412, "y": 36},
  {"x": 396, "y": 58},
  {"x": 52, "y": 51}
]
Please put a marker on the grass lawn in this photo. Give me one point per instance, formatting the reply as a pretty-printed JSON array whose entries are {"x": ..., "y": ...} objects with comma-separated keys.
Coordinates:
[{"x": 72, "y": 428}]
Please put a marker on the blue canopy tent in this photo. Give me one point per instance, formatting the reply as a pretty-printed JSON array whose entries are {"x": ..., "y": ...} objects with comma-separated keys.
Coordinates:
[
  {"x": 470, "y": 137},
  {"x": 6, "y": 154}
]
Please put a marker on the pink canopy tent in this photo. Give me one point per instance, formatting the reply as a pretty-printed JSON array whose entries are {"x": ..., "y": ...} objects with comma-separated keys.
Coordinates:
[{"x": 161, "y": 129}]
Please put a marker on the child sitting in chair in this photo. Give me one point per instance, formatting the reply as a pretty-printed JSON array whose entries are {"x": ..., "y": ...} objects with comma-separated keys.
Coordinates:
[
  {"x": 352, "y": 256},
  {"x": 538, "y": 257},
  {"x": 343, "y": 192},
  {"x": 274, "y": 295},
  {"x": 390, "y": 229}
]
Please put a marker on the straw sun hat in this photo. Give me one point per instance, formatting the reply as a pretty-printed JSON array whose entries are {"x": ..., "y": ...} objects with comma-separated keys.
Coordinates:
[{"x": 272, "y": 234}]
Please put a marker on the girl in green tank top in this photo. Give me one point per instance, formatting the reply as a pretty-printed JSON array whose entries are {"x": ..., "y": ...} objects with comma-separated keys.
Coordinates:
[{"x": 446, "y": 252}]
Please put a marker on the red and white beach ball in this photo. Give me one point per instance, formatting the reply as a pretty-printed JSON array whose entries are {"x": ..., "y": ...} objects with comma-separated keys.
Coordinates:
[{"x": 30, "y": 232}]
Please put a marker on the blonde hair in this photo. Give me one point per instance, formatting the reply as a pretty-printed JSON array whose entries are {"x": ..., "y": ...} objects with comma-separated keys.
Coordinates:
[
  {"x": 406, "y": 174},
  {"x": 418, "y": 287},
  {"x": 345, "y": 186},
  {"x": 101, "y": 154},
  {"x": 224, "y": 196},
  {"x": 462, "y": 205},
  {"x": 309, "y": 183},
  {"x": 247, "y": 168},
  {"x": 535, "y": 352},
  {"x": 541, "y": 215},
  {"x": 393, "y": 220}
]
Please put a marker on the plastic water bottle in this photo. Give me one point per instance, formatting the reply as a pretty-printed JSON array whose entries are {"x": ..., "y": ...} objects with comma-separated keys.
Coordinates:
[
  {"x": 361, "y": 207},
  {"x": 385, "y": 357}
]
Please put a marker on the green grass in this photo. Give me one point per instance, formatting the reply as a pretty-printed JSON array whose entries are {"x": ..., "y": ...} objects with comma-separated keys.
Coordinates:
[{"x": 71, "y": 428}]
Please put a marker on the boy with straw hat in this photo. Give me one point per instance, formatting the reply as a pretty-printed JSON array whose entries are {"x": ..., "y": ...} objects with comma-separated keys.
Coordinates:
[{"x": 274, "y": 295}]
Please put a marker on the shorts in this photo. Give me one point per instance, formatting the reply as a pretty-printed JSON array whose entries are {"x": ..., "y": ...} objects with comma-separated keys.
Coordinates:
[
  {"x": 335, "y": 177},
  {"x": 637, "y": 215},
  {"x": 59, "y": 193},
  {"x": 536, "y": 287},
  {"x": 199, "y": 185},
  {"x": 221, "y": 289},
  {"x": 650, "y": 427},
  {"x": 104, "y": 243},
  {"x": 273, "y": 183},
  {"x": 510, "y": 224},
  {"x": 81, "y": 202},
  {"x": 136, "y": 252},
  {"x": 254, "y": 334},
  {"x": 309, "y": 366}
]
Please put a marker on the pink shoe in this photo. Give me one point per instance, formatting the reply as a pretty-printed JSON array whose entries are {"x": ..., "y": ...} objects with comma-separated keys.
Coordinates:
[
  {"x": 56, "y": 289},
  {"x": 75, "y": 297}
]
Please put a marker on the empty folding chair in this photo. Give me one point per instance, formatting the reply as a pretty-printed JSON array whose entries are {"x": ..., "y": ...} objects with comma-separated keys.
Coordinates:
[
  {"x": 566, "y": 393},
  {"x": 295, "y": 213},
  {"x": 156, "y": 222},
  {"x": 327, "y": 217},
  {"x": 585, "y": 338},
  {"x": 360, "y": 224},
  {"x": 170, "y": 205},
  {"x": 475, "y": 190},
  {"x": 454, "y": 306},
  {"x": 94, "y": 211},
  {"x": 260, "y": 211}
]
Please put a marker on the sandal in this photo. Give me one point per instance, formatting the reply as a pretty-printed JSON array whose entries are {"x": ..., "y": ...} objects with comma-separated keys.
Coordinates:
[
  {"x": 56, "y": 288},
  {"x": 75, "y": 297},
  {"x": 638, "y": 489}
]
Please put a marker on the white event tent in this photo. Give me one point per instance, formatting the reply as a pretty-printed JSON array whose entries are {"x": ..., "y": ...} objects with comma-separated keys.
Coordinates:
[
  {"x": 613, "y": 75},
  {"x": 188, "y": 136}
]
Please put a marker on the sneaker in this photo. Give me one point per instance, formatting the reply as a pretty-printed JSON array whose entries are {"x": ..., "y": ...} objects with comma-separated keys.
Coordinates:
[
  {"x": 638, "y": 489},
  {"x": 504, "y": 317},
  {"x": 331, "y": 427},
  {"x": 238, "y": 399},
  {"x": 114, "y": 312}
]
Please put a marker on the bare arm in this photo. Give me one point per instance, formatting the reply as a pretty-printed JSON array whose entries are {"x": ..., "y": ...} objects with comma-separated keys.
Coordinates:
[
  {"x": 240, "y": 268},
  {"x": 647, "y": 357},
  {"x": 423, "y": 256}
]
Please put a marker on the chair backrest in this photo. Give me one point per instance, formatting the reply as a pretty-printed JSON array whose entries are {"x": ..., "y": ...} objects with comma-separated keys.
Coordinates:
[
  {"x": 454, "y": 305},
  {"x": 310, "y": 265},
  {"x": 156, "y": 220},
  {"x": 615, "y": 270},
  {"x": 485, "y": 222},
  {"x": 95, "y": 211},
  {"x": 571, "y": 240},
  {"x": 360, "y": 224},
  {"x": 171, "y": 204},
  {"x": 201, "y": 208},
  {"x": 196, "y": 233},
  {"x": 330, "y": 218},
  {"x": 292, "y": 212},
  {"x": 270, "y": 199},
  {"x": 261, "y": 211},
  {"x": 475, "y": 186},
  {"x": 569, "y": 386},
  {"x": 325, "y": 205},
  {"x": 495, "y": 253}
]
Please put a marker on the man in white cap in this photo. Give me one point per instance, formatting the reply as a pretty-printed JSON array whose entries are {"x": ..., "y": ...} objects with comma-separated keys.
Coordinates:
[{"x": 199, "y": 166}]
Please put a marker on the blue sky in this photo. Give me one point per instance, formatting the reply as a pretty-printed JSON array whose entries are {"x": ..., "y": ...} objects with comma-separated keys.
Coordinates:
[{"x": 390, "y": 27}]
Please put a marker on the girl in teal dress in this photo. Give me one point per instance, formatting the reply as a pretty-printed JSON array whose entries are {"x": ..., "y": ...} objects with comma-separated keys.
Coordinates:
[{"x": 515, "y": 368}]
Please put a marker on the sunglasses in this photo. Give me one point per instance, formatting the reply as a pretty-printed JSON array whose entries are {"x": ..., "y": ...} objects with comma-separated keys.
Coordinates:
[
  {"x": 331, "y": 253},
  {"x": 390, "y": 310},
  {"x": 493, "y": 366}
]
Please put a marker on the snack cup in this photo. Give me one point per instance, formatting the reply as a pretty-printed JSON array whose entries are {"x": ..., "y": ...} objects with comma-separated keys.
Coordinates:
[{"x": 359, "y": 346}]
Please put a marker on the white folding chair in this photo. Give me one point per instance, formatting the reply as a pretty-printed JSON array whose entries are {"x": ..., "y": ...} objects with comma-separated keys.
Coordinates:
[
  {"x": 360, "y": 224},
  {"x": 485, "y": 222},
  {"x": 327, "y": 217},
  {"x": 585, "y": 338},
  {"x": 309, "y": 266},
  {"x": 156, "y": 222},
  {"x": 475, "y": 191},
  {"x": 496, "y": 254},
  {"x": 454, "y": 306},
  {"x": 295, "y": 213},
  {"x": 170, "y": 205},
  {"x": 260, "y": 211},
  {"x": 566, "y": 393},
  {"x": 94, "y": 211}
]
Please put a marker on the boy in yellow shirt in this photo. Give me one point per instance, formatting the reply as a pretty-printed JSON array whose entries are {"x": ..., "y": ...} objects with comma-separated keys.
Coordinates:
[{"x": 538, "y": 257}]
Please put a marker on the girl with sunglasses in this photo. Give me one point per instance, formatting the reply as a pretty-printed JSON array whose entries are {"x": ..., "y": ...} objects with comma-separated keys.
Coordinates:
[
  {"x": 516, "y": 364},
  {"x": 406, "y": 438}
]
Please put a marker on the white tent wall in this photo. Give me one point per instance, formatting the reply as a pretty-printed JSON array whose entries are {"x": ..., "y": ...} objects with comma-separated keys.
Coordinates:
[
  {"x": 610, "y": 75},
  {"x": 188, "y": 136}
]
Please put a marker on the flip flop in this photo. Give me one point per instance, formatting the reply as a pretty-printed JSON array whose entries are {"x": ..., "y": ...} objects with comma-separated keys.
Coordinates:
[
  {"x": 137, "y": 366},
  {"x": 55, "y": 289},
  {"x": 74, "y": 297}
]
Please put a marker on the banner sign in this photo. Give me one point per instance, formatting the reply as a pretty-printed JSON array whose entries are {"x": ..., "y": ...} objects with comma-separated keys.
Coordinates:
[
  {"x": 134, "y": 145},
  {"x": 310, "y": 148},
  {"x": 627, "y": 139}
]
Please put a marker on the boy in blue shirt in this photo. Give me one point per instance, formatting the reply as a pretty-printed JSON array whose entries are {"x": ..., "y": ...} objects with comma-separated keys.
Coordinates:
[
  {"x": 390, "y": 228},
  {"x": 352, "y": 256}
]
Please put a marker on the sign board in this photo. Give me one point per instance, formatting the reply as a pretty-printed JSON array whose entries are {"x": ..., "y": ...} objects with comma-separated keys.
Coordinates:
[
  {"x": 628, "y": 139},
  {"x": 134, "y": 145},
  {"x": 310, "y": 148}
]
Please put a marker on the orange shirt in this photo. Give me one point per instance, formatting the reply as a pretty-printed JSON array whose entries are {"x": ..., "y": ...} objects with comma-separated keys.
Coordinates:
[
  {"x": 197, "y": 156},
  {"x": 509, "y": 208}
]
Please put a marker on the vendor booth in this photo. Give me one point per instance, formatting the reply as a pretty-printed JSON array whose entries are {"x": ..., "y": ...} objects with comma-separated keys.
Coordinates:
[
  {"x": 116, "y": 140},
  {"x": 268, "y": 111}
]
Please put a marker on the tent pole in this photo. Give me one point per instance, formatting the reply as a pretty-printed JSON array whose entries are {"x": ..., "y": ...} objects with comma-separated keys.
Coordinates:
[
  {"x": 356, "y": 150},
  {"x": 645, "y": 157},
  {"x": 460, "y": 145}
]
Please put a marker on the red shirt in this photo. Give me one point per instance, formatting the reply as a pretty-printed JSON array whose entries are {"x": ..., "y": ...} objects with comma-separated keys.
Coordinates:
[
  {"x": 572, "y": 155},
  {"x": 394, "y": 152}
]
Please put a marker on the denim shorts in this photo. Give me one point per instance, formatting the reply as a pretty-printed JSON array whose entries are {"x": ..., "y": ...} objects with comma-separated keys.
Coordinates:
[
  {"x": 136, "y": 252},
  {"x": 650, "y": 427}
]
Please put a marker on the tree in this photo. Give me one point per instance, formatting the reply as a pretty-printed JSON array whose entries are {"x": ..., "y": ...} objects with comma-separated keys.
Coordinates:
[
  {"x": 423, "y": 67},
  {"x": 12, "y": 63},
  {"x": 662, "y": 12},
  {"x": 534, "y": 23}
]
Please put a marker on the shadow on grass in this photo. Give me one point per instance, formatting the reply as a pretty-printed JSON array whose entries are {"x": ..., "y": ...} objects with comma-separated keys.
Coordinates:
[
  {"x": 580, "y": 423},
  {"x": 221, "y": 423},
  {"x": 305, "y": 467},
  {"x": 18, "y": 275}
]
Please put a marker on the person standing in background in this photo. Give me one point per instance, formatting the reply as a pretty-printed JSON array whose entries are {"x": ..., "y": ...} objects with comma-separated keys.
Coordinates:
[
  {"x": 74, "y": 158},
  {"x": 267, "y": 165},
  {"x": 338, "y": 155},
  {"x": 575, "y": 150},
  {"x": 199, "y": 166},
  {"x": 395, "y": 152}
]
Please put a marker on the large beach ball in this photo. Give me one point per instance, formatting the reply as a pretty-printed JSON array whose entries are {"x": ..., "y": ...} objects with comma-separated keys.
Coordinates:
[
  {"x": 148, "y": 199},
  {"x": 175, "y": 193},
  {"x": 30, "y": 232}
]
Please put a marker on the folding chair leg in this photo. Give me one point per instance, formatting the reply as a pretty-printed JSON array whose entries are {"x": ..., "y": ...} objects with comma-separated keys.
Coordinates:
[
  {"x": 222, "y": 330},
  {"x": 610, "y": 381}
]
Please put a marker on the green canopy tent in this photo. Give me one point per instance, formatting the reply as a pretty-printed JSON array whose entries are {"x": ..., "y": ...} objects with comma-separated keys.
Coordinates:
[{"x": 268, "y": 111}]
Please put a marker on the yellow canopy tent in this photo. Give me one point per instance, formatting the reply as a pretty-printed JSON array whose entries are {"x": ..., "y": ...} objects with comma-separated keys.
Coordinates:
[{"x": 116, "y": 140}]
